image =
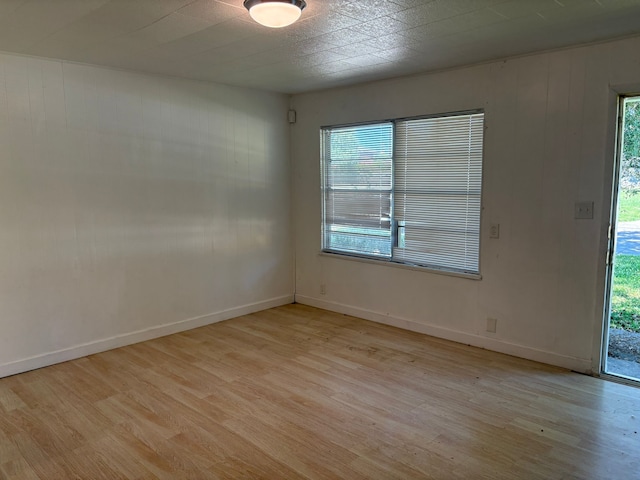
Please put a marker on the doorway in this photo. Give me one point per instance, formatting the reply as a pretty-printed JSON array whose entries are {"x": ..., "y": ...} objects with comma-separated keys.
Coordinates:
[{"x": 622, "y": 340}]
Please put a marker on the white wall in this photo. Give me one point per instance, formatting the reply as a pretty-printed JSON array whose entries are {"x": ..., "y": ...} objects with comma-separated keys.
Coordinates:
[
  {"x": 133, "y": 206},
  {"x": 548, "y": 144}
]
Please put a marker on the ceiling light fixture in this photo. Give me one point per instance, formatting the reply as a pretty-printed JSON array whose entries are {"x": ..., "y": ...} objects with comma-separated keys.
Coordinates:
[{"x": 275, "y": 13}]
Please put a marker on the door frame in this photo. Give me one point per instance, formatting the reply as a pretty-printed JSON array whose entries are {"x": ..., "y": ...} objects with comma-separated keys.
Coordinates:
[{"x": 620, "y": 96}]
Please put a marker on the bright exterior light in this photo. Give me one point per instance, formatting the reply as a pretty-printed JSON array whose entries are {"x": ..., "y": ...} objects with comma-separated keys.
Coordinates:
[{"x": 275, "y": 13}]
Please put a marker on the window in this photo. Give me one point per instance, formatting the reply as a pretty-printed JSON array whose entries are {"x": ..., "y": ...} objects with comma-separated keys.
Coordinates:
[{"x": 406, "y": 191}]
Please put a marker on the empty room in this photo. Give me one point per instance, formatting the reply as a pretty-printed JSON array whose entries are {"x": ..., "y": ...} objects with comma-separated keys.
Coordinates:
[{"x": 321, "y": 239}]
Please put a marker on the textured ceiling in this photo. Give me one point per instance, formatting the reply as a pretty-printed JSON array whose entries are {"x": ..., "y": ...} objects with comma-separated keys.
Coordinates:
[{"x": 337, "y": 42}]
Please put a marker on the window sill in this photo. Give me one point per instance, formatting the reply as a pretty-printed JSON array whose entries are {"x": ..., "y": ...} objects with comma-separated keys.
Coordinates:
[{"x": 386, "y": 263}]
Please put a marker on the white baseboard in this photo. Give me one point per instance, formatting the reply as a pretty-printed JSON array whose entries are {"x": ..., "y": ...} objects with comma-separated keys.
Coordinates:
[
  {"x": 78, "y": 351},
  {"x": 522, "y": 351}
]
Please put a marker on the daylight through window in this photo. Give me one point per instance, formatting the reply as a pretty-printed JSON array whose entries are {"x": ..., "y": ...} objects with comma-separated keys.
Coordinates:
[{"x": 406, "y": 191}]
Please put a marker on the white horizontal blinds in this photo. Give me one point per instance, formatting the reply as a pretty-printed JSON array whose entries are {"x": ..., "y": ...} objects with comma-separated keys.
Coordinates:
[
  {"x": 357, "y": 170},
  {"x": 438, "y": 175}
]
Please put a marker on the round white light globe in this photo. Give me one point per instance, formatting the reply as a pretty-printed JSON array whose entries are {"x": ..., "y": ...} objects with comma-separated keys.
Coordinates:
[{"x": 275, "y": 14}]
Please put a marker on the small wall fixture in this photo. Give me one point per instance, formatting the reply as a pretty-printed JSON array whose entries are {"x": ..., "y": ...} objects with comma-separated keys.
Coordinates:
[{"x": 275, "y": 13}]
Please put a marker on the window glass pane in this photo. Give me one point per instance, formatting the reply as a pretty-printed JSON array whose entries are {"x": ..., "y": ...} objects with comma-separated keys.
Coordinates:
[
  {"x": 423, "y": 175},
  {"x": 357, "y": 175},
  {"x": 438, "y": 175}
]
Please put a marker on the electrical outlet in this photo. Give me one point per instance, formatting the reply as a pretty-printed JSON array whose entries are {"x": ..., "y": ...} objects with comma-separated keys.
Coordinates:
[
  {"x": 494, "y": 230},
  {"x": 492, "y": 324},
  {"x": 323, "y": 289},
  {"x": 583, "y": 211}
]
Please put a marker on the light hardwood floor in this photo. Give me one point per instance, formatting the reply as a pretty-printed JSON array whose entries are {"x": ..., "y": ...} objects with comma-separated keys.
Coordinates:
[{"x": 297, "y": 392}]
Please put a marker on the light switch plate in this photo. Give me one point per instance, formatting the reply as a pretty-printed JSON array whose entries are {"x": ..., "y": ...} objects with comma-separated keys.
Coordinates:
[
  {"x": 583, "y": 211},
  {"x": 494, "y": 230}
]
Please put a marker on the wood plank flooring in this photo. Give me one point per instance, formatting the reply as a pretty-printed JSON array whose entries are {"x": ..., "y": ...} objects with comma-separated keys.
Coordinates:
[{"x": 300, "y": 393}]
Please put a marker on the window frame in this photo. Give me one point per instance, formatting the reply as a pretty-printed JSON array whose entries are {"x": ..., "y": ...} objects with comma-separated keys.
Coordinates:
[
  {"x": 324, "y": 183},
  {"x": 391, "y": 260}
]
